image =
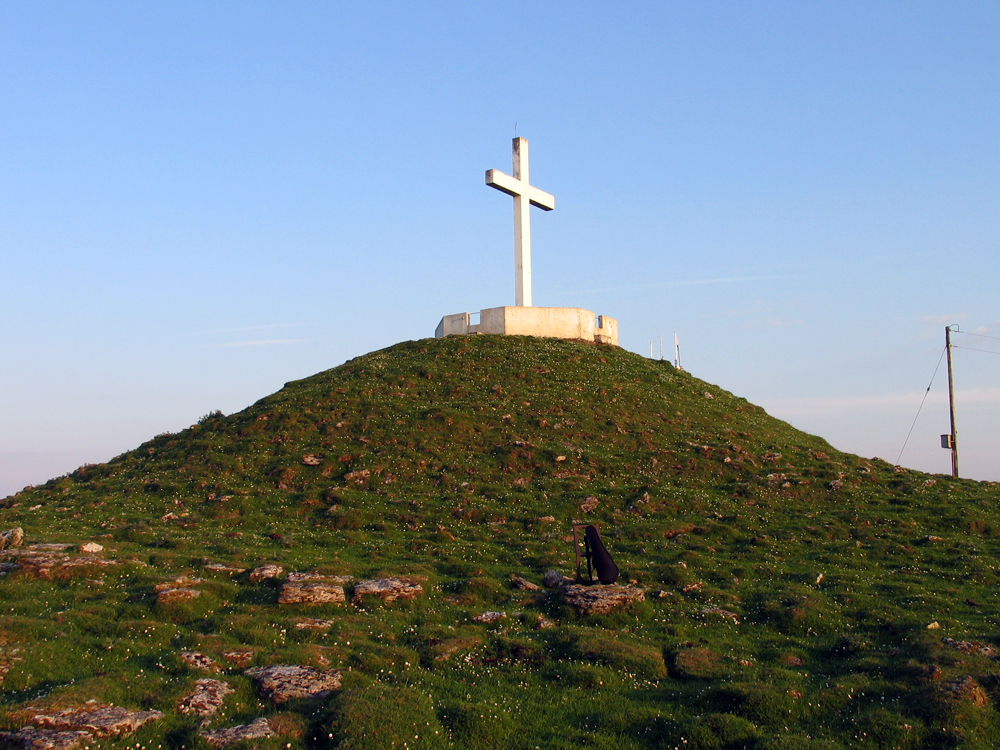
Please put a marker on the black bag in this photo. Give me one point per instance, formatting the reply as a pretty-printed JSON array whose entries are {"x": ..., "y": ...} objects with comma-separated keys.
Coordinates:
[{"x": 607, "y": 571}]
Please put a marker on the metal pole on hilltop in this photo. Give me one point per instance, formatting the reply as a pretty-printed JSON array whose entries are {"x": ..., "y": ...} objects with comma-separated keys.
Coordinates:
[{"x": 951, "y": 405}]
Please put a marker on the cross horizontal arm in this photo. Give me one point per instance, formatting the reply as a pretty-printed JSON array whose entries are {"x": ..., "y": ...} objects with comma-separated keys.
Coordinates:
[{"x": 507, "y": 184}]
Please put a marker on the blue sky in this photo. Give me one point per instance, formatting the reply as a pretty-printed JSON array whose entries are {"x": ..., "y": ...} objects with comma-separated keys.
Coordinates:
[{"x": 202, "y": 201}]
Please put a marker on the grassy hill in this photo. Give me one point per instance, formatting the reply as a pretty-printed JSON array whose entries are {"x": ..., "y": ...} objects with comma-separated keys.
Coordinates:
[{"x": 796, "y": 596}]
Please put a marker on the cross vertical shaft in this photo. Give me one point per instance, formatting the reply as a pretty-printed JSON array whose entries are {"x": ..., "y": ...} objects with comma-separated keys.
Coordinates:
[
  {"x": 525, "y": 196},
  {"x": 522, "y": 228}
]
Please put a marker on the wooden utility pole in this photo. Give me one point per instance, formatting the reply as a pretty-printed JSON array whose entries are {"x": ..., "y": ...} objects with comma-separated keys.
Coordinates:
[{"x": 951, "y": 405}]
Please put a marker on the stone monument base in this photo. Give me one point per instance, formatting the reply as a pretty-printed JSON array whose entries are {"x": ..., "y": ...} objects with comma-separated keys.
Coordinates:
[{"x": 546, "y": 322}]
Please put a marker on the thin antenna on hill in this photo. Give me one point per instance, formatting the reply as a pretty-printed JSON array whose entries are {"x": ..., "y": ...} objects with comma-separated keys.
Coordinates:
[
  {"x": 677, "y": 352},
  {"x": 661, "y": 347},
  {"x": 650, "y": 349}
]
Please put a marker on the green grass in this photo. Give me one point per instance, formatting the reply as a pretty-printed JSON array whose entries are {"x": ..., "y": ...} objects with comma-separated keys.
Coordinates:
[{"x": 440, "y": 458}]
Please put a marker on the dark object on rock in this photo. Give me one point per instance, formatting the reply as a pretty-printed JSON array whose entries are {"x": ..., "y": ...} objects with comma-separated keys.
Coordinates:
[
  {"x": 284, "y": 682},
  {"x": 597, "y": 557},
  {"x": 553, "y": 579},
  {"x": 599, "y": 600},
  {"x": 256, "y": 730}
]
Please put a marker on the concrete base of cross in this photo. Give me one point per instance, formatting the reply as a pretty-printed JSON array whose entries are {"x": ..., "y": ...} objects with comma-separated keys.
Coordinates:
[{"x": 546, "y": 322}]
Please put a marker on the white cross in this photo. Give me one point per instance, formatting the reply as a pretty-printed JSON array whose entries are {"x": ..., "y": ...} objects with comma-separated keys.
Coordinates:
[{"x": 525, "y": 196}]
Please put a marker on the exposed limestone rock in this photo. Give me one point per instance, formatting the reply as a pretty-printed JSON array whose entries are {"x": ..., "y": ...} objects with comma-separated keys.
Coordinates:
[
  {"x": 387, "y": 589},
  {"x": 589, "y": 505},
  {"x": 238, "y": 659},
  {"x": 299, "y": 577},
  {"x": 490, "y": 617},
  {"x": 972, "y": 647},
  {"x": 312, "y": 592},
  {"x": 33, "y": 738},
  {"x": 183, "y": 582},
  {"x": 91, "y": 547},
  {"x": 311, "y": 459},
  {"x": 524, "y": 584},
  {"x": 310, "y": 624},
  {"x": 104, "y": 721},
  {"x": 266, "y": 571},
  {"x": 256, "y": 730},
  {"x": 11, "y": 538},
  {"x": 599, "y": 600},
  {"x": 168, "y": 596},
  {"x": 199, "y": 661},
  {"x": 543, "y": 623},
  {"x": 283, "y": 682},
  {"x": 206, "y": 699},
  {"x": 223, "y": 568}
]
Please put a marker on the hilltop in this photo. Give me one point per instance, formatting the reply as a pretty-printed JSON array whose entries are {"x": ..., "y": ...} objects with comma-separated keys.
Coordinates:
[{"x": 795, "y": 595}]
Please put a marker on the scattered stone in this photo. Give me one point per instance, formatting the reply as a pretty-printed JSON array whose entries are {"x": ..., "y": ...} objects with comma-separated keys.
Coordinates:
[
  {"x": 553, "y": 579},
  {"x": 33, "y": 738},
  {"x": 312, "y": 592},
  {"x": 104, "y": 721},
  {"x": 599, "y": 600},
  {"x": 967, "y": 687},
  {"x": 206, "y": 699},
  {"x": 772, "y": 456},
  {"x": 444, "y": 650},
  {"x": 266, "y": 571},
  {"x": 544, "y": 623},
  {"x": 560, "y": 459},
  {"x": 91, "y": 547},
  {"x": 299, "y": 577},
  {"x": 972, "y": 647},
  {"x": 932, "y": 538},
  {"x": 524, "y": 584},
  {"x": 199, "y": 661},
  {"x": 311, "y": 459},
  {"x": 11, "y": 538},
  {"x": 490, "y": 617},
  {"x": 723, "y": 613},
  {"x": 284, "y": 682},
  {"x": 170, "y": 596},
  {"x": 48, "y": 547},
  {"x": 934, "y": 625},
  {"x": 310, "y": 624},
  {"x": 696, "y": 586},
  {"x": 589, "y": 505},
  {"x": 223, "y": 568},
  {"x": 238, "y": 659},
  {"x": 258, "y": 729},
  {"x": 546, "y": 519},
  {"x": 387, "y": 589},
  {"x": 178, "y": 583},
  {"x": 709, "y": 395},
  {"x": 358, "y": 477}
]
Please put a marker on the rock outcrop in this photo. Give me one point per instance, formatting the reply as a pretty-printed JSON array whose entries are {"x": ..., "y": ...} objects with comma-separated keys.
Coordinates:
[
  {"x": 266, "y": 571},
  {"x": 256, "y": 730},
  {"x": 283, "y": 682},
  {"x": 206, "y": 699},
  {"x": 312, "y": 592},
  {"x": 599, "y": 600},
  {"x": 387, "y": 589}
]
